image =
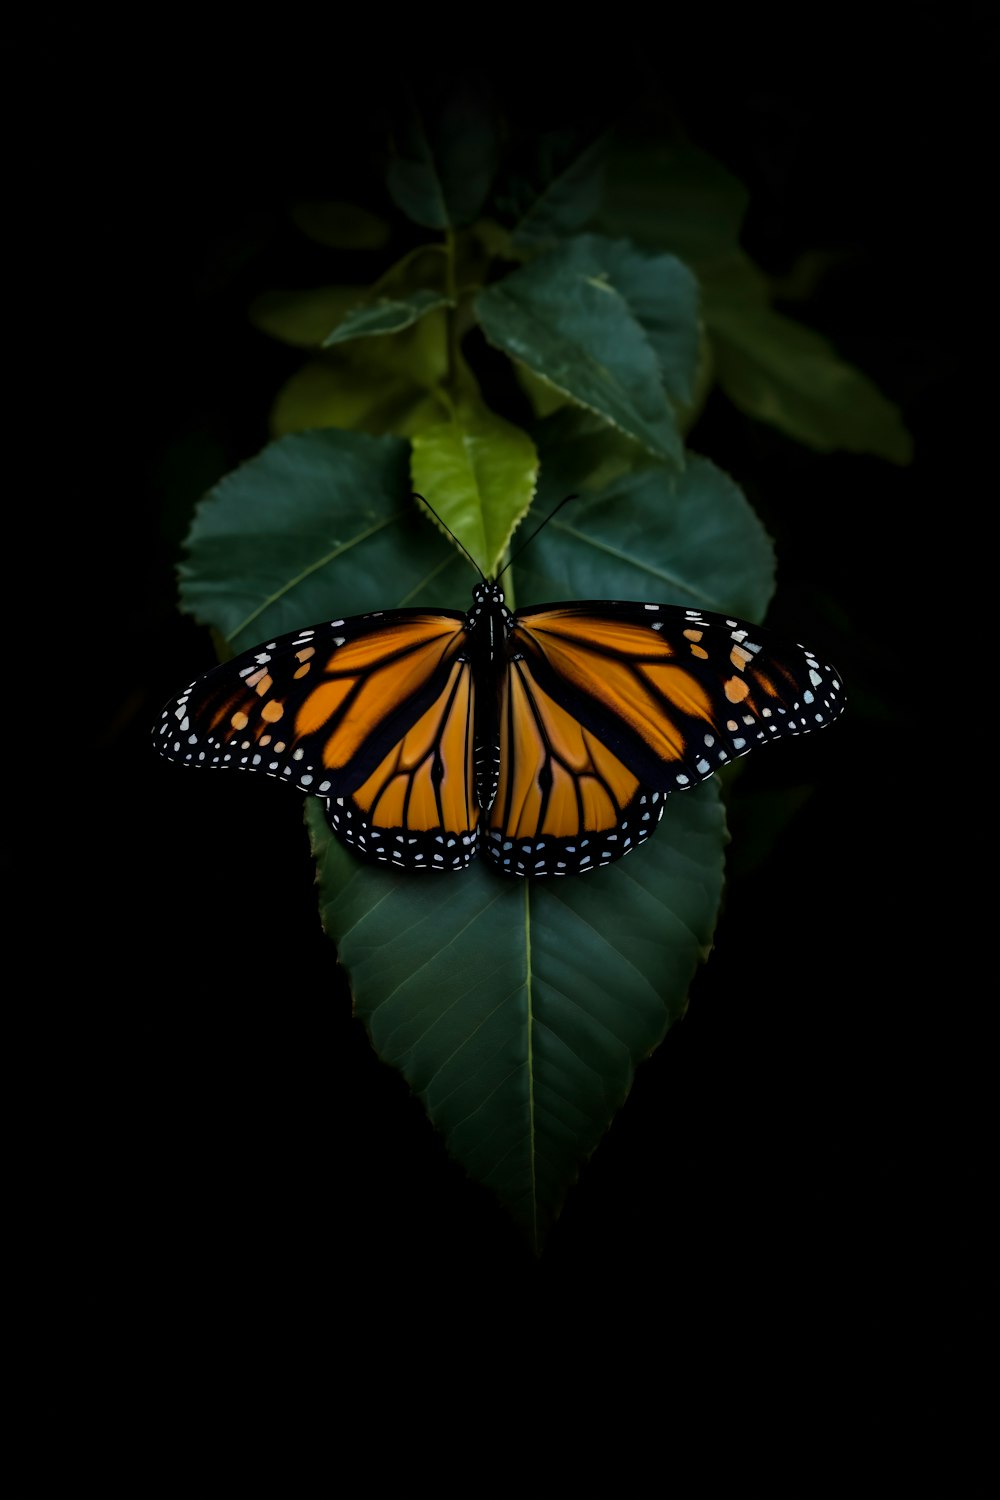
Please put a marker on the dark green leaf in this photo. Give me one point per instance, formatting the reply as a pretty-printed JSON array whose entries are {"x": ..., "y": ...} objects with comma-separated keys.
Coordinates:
[
  {"x": 341, "y": 226},
  {"x": 651, "y": 534},
  {"x": 317, "y": 523},
  {"x": 444, "y": 157},
  {"x": 774, "y": 369},
  {"x": 673, "y": 197},
  {"x": 552, "y": 188},
  {"x": 613, "y": 327},
  {"x": 790, "y": 376},
  {"x": 517, "y": 1010},
  {"x": 385, "y": 315},
  {"x": 663, "y": 296}
]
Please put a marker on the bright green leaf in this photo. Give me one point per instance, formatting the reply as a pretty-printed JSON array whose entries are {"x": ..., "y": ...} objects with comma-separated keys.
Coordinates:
[
  {"x": 478, "y": 472},
  {"x": 612, "y": 327}
]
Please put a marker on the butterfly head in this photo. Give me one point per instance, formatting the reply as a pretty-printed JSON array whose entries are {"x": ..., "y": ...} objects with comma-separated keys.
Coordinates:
[{"x": 487, "y": 595}]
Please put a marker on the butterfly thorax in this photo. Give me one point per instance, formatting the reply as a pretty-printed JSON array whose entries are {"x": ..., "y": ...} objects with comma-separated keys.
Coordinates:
[{"x": 488, "y": 623}]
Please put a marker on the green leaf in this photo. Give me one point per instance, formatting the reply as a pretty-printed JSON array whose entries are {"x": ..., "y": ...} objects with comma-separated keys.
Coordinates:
[
  {"x": 517, "y": 1010},
  {"x": 478, "y": 472},
  {"x": 312, "y": 317},
  {"x": 341, "y": 226},
  {"x": 385, "y": 315},
  {"x": 772, "y": 368},
  {"x": 349, "y": 394},
  {"x": 303, "y": 318},
  {"x": 544, "y": 398},
  {"x": 374, "y": 385},
  {"x": 652, "y": 534},
  {"x": 672, "y": 196},
  {"x": 663, "y": 296},
  {"x": 553, "y": 187},
  {"x": 318, "y": 522},
  {"x": 612, "y": 327},
  {"x": 780, "y": 372},
  {"x": 444, "y": 158}
]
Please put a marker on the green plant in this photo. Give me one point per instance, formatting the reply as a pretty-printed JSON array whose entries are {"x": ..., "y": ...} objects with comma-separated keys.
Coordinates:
[{"x": 557, "y": 329}]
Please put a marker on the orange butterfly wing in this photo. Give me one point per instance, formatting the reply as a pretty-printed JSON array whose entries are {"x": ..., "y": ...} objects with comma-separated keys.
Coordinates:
[
  {"x": 607, "y": 707},
  {"x": 374, "y": 714},
  {"x": 561, "y": 728}
]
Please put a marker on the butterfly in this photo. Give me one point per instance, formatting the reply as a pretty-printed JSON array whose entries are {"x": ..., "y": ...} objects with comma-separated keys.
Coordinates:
[{"x": 547, "y": 738}]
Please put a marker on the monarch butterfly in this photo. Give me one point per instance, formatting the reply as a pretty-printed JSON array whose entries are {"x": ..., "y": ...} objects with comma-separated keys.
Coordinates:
[{"x": 549, "y": 737}]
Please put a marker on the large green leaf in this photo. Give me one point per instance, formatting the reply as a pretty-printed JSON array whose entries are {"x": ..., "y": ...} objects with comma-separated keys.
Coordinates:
[
  {"x": 478, "y": 471},
  {"x": 318, "y": 523},
  {"x": 613, "y": 327},
  {"x": 690, "y": 538},
  {"x": 517, "y": 1010}
]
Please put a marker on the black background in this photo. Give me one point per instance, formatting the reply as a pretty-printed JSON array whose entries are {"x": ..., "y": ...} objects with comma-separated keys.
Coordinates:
[{"x": 215, "y": 1161}]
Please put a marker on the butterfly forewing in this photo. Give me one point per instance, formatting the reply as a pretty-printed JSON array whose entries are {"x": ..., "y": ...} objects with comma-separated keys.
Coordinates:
[
  {"x": 675, "y": 692},
  {"x": 373, "y": 714}
]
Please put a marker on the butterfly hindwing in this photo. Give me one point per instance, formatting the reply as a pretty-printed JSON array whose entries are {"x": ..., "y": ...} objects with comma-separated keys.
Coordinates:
[
  {"x": 374, "y": 714},
  {"x": 566, "y": 802}
]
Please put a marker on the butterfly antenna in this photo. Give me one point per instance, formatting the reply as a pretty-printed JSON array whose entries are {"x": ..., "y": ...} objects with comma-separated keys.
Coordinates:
[
  {"x": 454, "y": 538},
  {"x": 564, "y": 501}
]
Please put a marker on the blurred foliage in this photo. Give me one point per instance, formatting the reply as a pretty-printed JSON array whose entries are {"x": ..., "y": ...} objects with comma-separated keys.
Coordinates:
[{"x": 639, "y": 319}]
